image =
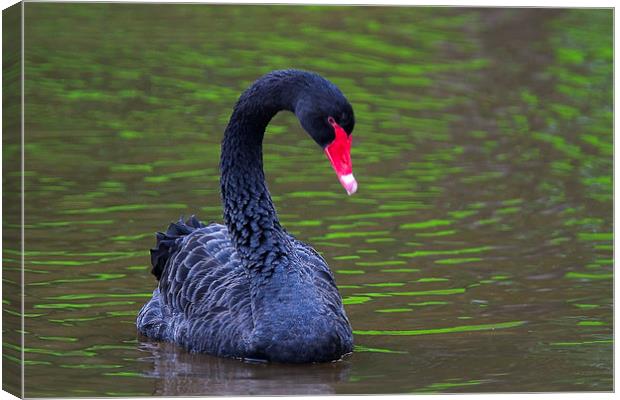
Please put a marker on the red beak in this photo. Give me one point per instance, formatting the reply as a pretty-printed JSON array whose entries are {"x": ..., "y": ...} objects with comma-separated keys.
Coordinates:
[{"x": 339, "y": 154}]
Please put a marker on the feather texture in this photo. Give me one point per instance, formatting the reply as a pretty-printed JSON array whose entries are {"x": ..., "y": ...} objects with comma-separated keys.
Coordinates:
[{"x": 203, "y": 300}]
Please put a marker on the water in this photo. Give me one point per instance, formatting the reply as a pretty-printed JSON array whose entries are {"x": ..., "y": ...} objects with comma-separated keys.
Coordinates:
[{"x": 475, "y": 257}]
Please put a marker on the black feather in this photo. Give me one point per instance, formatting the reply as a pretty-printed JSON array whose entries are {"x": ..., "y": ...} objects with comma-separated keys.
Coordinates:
[{"x": 166, "y": 243}]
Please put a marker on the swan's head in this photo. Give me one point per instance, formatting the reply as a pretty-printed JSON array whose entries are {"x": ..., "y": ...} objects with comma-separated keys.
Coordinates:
[{"x": 328, "y": 118}]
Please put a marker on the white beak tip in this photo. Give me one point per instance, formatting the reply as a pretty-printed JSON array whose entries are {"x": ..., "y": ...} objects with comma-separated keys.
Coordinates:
[{"x": 349, "y": 183}]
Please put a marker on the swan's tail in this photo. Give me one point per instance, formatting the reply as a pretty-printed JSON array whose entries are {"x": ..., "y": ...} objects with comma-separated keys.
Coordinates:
[{"x": 166, "y": 242}]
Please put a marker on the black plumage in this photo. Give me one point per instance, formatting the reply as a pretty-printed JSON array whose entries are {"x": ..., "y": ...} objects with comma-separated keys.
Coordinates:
[{"x": 248, "y": 289}]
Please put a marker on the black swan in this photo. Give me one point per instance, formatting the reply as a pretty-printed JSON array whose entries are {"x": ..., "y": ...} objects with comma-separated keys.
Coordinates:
[{"x": 248, "y": 289}]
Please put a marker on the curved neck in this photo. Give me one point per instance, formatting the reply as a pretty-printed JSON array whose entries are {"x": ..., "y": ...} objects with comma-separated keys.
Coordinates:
[{"x": 249, "y": 212}]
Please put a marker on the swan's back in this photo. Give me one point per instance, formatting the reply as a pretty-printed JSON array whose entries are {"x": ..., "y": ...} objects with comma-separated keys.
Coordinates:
[{"x": 203, "y": 299}]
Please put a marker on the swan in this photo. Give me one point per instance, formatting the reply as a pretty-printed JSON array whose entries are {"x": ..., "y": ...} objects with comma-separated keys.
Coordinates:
[{"x": 248, "y": 289}]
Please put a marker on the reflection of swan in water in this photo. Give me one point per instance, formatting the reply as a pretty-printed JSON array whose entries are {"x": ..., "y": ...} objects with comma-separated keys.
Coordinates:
[{"x": 179, "y": 373}]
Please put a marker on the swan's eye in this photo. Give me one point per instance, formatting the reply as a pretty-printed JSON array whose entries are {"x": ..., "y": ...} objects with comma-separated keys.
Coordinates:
[
  {"x": 331, "y": 121},
  {"x": 345, "y": 121}
]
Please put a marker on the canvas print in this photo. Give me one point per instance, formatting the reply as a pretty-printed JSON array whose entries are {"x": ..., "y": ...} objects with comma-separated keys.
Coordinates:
[{"x": 214, "y": 200}]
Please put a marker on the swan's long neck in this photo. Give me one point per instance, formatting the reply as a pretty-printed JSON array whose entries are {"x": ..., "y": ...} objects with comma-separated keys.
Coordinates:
[{"x": 249, "y": 212}]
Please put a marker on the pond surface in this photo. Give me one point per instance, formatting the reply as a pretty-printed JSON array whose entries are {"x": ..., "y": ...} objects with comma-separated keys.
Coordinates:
[{"x": 476, "y": 256}]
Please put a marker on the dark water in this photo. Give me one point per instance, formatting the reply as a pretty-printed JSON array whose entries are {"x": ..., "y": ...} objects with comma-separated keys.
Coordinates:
[{"x": 475, "y": 257}]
